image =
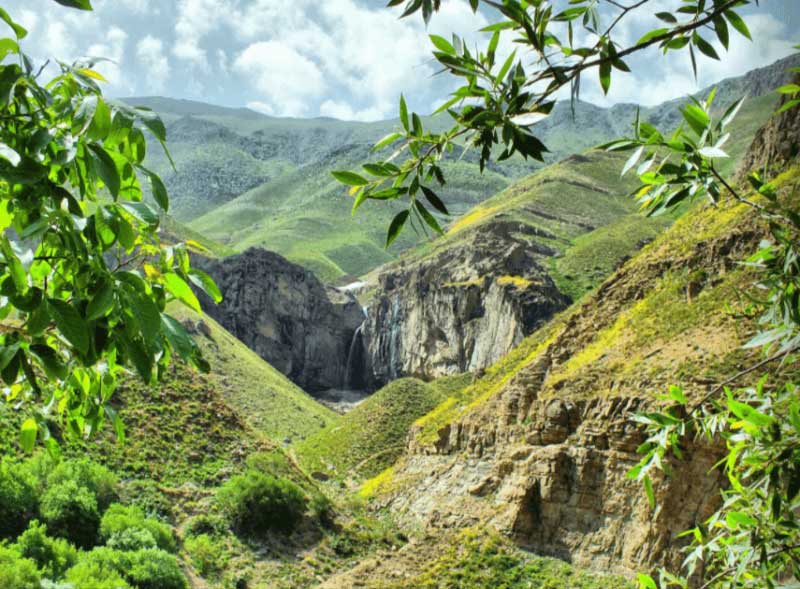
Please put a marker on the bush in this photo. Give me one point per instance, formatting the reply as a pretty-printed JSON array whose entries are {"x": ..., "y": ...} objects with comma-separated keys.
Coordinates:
[
  {"x": 209, "y": 555},
  {"x": 122, "y": 520},
  {"x": 93, "y": 575},
  {"x": 17, "y": 498},
  {"x": 96, "y": 478},
  {"x": 210, "y": 524},
  {"x": 322, "y": 508},
  {"x": 53, "y": 556},
  {"x": 155, "y": 569},
  {"x": 256, "y": 503},
  {"x": 17, "y": 572},
  {"x": 131, "y": 539},
  {"x": 142, "y": 569},
  {"x": 71, "y": 512}
]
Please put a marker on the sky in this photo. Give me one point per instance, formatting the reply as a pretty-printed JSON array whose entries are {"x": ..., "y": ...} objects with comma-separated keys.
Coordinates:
[{"x": 347, "y": 59}]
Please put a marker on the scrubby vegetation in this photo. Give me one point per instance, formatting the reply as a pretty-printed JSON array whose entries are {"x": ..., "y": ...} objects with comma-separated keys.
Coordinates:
[
  {"x": 75, "y": 534},
  {"x": 371, "y": 437},
  {"x": 476, "y": 560}
]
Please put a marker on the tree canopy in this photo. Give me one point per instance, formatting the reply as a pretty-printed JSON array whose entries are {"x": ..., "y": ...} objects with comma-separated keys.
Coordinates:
[{"x": 85, "y": 278}]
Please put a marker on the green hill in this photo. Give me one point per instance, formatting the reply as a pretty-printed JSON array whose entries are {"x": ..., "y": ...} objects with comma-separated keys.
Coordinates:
[{"x": 371, "y": 437}]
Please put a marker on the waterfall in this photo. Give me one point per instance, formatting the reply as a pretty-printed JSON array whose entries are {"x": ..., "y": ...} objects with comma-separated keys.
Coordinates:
[
  {"x": 394, "y": 333},
  {"x": 353, "y": 372}
]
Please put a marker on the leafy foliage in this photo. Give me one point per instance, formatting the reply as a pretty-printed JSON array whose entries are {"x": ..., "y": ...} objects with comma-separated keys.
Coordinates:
[
  {"x": 256, "y": 503},
  {"x": 500, "y": 101},
  {"x": 84, "y": 280}
]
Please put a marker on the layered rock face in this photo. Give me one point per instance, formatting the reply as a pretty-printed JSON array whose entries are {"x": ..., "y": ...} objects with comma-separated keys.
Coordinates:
[
  {"x": 544, "y": 456},
  {"x": 460, "y": 310},
  {"x": 284, "y": 314}
]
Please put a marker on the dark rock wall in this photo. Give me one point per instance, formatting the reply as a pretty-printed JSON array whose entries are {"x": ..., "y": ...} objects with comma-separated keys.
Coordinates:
[{"x": 286, "y": 315}]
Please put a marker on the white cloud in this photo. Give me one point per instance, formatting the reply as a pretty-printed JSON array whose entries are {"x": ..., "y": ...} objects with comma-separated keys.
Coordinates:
[
  {"x": 344, "y": 112},
  {"x": 286, "y": 78},
  {"x": 112, "y": 48},
  {"x": 151, "y": 55}
]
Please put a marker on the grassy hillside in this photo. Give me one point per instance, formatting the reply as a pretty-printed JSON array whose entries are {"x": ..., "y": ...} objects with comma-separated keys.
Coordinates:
[
  {"x": 247, "y": 179},
  {"x": 371, "y": 437},
  {"x": 264, "y": 397}
]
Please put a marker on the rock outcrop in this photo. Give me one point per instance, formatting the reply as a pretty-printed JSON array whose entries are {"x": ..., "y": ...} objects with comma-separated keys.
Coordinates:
[
  {"x": 543, "y": 456},
  {"x": 462, "y": 309},
  {"x": 286, "y": 315}
]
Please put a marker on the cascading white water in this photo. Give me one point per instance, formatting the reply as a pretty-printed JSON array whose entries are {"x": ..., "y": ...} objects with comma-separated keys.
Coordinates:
[{"x": 352, "y": 356}]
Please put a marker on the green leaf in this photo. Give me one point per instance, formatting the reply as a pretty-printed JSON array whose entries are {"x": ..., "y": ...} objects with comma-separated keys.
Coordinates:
[
  {"x": 426, "y": 215},
  {"x": 178, "y": 337},
  {"x": 159, "y": 190},
  {"x": 349, "y": 178},
  {"x": 8, "y": 47},
  {"x": 180, "y": 290},
  {"x": 70, "y": 324},
  {"x": 789, "y": 89},
  {"x": 404, "y": 113},
  {"x": 721, "y": 28},
  {"x": 20, "y": 31},
  {"x": 666, "y": 17},
  {"x": 443, "y": 44},
  {"x": 738, "y": 519},
  {"x": 651, "y": 35},
  {"x": 15, "y": 268},
  {"x": 646, "y": 582},
  {"x": 387, "y": 140},
  {"x": 676, "y": 394},
  {"x": 106, "y": 169},
  {"x": 206, "y": 284},
  {"x": 705, "y": 47},
  {"x": 27, "y": 434},
  {"x": 79, "y": 4},
  {"x": 146, "y": 313},
  {"x": 396, "y": 226},
  {"x": 142, "y": 212},
  {"x": 435, "y": 201},
  {"x": 101, "y": 303},
  {"x": 737, "y": 23},
  {"x": 605, "y": 76},
  {"x": 696, "y": 117}
]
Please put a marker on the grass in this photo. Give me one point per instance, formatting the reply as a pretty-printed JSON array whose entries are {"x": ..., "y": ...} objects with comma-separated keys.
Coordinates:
[
  {"x": 476, "y": 559},
  {"x": 269, "y": 401},
  {"x": 372, "y": 436}
]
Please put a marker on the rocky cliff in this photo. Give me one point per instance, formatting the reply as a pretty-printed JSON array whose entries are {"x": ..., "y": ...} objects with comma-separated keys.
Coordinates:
[
  {"x": 462, "y": 309},
  {"x": 539, "y": 447},
  {"x": 288, "y": 317}
]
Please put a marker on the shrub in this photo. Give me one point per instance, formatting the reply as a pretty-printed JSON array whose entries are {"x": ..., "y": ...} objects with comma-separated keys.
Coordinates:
[
  {"x": 17, "y": 572},
  {"x": 322, "y": 508},
  {"x": 210, "y": 524},
  {"x": 155, "y": 569},
  {"x": 256, "y": 503},
  {"x": 17, "y": 498},
  {"x": 96, "y": 478},
  {"x": 88, "y": 574},
  {"x": 53, "y": 556},
  {"x": 209, "y": 555},
  {"x": 142, "y": 569},
  {"x": 71, "y": 512},
  {"x": 122, "y": 520},
  {"x": 131, "y": 539}
]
